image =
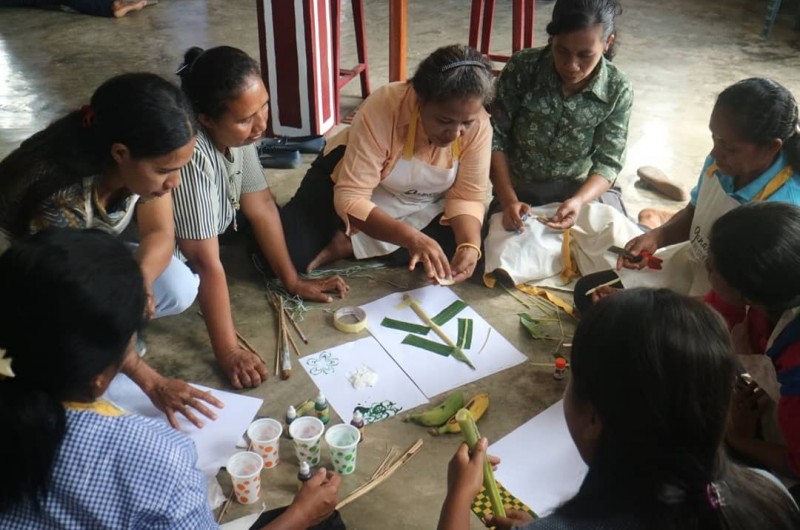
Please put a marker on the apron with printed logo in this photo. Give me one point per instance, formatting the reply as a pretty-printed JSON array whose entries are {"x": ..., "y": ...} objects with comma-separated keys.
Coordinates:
[
  {"x": 413, "y": 193},
  {"x": 684, "y": 263}
]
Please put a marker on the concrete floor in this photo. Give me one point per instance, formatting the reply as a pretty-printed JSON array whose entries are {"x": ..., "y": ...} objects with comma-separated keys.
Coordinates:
[{"x": 678, "y": 54}]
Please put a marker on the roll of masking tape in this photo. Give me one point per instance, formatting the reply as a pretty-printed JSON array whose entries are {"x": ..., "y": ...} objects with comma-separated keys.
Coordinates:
[{"x": 350, "y": 319}]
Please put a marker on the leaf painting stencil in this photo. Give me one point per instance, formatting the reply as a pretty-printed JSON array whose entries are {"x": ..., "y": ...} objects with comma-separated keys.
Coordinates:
[
  {"x": 324, "y": 364},
  {"x": 379, "y": 411}
]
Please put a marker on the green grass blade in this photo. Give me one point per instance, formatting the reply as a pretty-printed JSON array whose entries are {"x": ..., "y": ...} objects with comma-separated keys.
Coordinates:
[
  {"x": 447, "y": 314},
  {"x": 408, "y": 327}
]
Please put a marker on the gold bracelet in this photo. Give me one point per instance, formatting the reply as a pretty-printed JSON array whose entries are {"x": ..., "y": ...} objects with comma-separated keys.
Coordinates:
[{"x": 470, "y": 245}]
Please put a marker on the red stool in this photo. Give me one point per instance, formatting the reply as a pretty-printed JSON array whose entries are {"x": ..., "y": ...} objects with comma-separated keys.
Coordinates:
[
  {"x": 523, "y": 16},
  {"x": 361, "y": 69}
]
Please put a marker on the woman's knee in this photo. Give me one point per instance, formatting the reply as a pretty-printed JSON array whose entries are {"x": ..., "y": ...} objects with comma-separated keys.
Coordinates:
[{"x": 175, "y": 290}]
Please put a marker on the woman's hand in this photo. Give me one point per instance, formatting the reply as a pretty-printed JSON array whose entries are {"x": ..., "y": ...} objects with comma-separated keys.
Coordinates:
[
  {"x": 647, "y": 242},
  {"x": 244, "y": 368},
  {"x": 317, "y": 499},
  {"x": 566, "y": 215},
  {"x": 465, "y": 471},
  {"x": 602, "y": 292},
  {"x": 316, "y": 289},
  {"x": 463, "y": 263},
  {"x": 513, "y": 214},
  {"x": 513, "y": 519},
  {"x": 426, "y": 250},
  {"x": 173, "y": 396}
]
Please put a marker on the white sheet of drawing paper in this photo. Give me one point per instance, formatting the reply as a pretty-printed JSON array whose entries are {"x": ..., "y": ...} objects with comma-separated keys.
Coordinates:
[
  {"x": 431, "y": 372},
  {"x": 540, "y": 463},
  {"x": 329, "y": 369},
  {"x": 216, "y": 441}
]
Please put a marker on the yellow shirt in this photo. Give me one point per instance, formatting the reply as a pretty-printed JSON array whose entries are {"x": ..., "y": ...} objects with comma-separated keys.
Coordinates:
[{"x": 375, "y": 141}]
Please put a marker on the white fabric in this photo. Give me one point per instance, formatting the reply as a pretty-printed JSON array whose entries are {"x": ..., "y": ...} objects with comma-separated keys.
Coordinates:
[
  {"x": 413, "y": 193},
  {"x": 534, "y": 255},
  {"x": 684, "y": 264}
]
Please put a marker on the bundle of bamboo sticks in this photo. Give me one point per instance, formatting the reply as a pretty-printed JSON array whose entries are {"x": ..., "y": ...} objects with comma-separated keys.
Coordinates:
[{"x": 383, "y": 472}]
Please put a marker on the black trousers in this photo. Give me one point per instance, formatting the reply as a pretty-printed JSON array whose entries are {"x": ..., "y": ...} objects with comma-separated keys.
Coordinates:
[
  {"x": 334, "y": 522},
  {"x": 548, "y": 191},
  {"x": 310, "y": 220}
]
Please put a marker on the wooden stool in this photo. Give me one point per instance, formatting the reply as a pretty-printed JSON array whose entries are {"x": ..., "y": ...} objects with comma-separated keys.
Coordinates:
[
  {"x": 361, "y": 69},
  {"x": 523, "y": 16}
]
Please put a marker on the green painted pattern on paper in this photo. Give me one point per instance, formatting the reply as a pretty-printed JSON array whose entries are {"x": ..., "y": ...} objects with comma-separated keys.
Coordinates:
[
  {"x": 447, "y": 314},
  {"x": 419, "y": 329}
]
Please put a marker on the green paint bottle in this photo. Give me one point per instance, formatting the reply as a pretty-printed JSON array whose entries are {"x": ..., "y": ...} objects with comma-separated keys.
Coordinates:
[{"x": 321, "y": 408}]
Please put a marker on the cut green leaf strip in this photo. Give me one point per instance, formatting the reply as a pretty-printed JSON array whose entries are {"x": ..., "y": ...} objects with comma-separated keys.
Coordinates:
[
  {"x": 464, "y": 340},
  {"x": 534, "y": 327},
  {"x": 425, "y": 344},
  {"x": 447, "y": 314},
  {"x": 405, "y": 326}
]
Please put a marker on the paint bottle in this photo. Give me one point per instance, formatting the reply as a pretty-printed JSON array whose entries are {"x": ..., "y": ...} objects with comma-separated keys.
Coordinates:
[
  {"x": 304, "y": 474},
  {"x": 561, "y": 368},
  {"x": 321, "y": 408},
  {"x": 359, "y": 423},
  {"x": 291, "y": 415}
]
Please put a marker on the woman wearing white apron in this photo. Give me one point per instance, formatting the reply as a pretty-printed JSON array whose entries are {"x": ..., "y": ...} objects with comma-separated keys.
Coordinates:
[
  {"x": 753, "y": 259},
  {"x": 755, "y": 157},
  {"x": 99, "y": 167},
  {"x": 415, "y": 160}
]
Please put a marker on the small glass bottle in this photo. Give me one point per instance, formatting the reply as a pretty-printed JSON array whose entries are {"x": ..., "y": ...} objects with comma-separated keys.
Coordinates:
[
  {"x": 359, "y": 423},
  {"x": 304, "y": 474},
  {"x": 291, "y": 415},
  {"x": 321, "y": 408},
  {"x": 560, "y": 369}
]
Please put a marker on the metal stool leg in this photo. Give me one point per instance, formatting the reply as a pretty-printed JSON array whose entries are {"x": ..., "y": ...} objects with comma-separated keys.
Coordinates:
[{"x": 773, "y": 8}]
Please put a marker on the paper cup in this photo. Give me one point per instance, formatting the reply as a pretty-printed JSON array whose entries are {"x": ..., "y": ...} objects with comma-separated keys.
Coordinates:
[
  {"x": 306, "y": 433},
  {"x": 245, "y": 471},
  {"x": 342, "y": 443},
  {"x": 265, "y": 434}
]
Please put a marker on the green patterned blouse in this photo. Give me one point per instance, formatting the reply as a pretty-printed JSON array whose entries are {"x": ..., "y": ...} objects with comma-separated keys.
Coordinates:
[{"x": 547, "y": 136}]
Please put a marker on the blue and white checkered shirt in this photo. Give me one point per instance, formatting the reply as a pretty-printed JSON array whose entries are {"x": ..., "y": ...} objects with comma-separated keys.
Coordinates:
[{"x": 119, "y": 471}]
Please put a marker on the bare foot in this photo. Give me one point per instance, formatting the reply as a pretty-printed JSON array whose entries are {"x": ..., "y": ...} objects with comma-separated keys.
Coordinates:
[
  {"x": 653, "y": 217},
  {"x": 339, "y": 247},
  {"x": 244, "y": 368},
  {"x": 123, "y": 7},
  {"x": 661, "y": 183}
]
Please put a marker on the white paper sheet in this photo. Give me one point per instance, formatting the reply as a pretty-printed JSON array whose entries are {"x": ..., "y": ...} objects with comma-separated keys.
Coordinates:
[
  {"x": 540, "y": 464},
  {"x": 394, "y": 392},
  {"x": 433, "y": 373},
  {"x": 216, "y": 441}
]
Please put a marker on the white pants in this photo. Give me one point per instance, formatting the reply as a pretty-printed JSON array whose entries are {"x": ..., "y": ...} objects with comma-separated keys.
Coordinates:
[{"x": 175, "y": 289}]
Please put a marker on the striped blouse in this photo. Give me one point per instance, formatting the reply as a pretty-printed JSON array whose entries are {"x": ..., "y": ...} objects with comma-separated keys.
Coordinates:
[{"x": 211, "y": 186}]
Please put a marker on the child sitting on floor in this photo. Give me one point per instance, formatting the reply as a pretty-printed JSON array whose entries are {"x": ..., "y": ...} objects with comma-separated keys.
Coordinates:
[{"x": 647, "y": 404}]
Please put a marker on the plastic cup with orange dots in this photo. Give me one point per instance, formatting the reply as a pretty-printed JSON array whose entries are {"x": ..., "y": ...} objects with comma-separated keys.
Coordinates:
[
  {"x": 265, "y": 436},
  {"x": 245, "y": 471}
]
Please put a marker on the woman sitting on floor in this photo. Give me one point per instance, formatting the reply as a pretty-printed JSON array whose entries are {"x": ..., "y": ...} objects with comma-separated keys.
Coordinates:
[
  {"x": 72, "y": 460},
  {"x": 756, "y": 157},
  {"x": 561, "y": 118},
  {"x": 647, "y": 403},
  {"x": 115, "y": 160},
  {"x": 407, "y": 179},
  {"x": 223, "y": 176}
]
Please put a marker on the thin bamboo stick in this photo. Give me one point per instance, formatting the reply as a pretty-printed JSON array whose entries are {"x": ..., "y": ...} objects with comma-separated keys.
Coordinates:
[
  {"x": 388, "y": 472},
  {"x": 296, "y": 327}
]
